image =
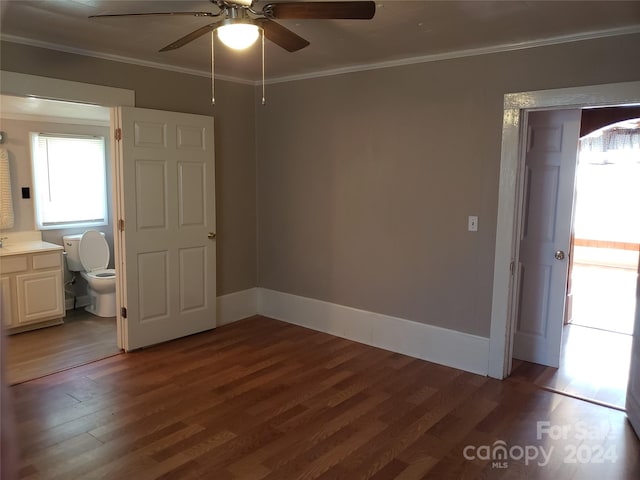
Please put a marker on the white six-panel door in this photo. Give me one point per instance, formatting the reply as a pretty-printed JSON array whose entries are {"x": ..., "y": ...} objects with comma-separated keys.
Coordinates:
[
  {"x": 550, "y": 164},
  {"x": 167, "y": 252}
]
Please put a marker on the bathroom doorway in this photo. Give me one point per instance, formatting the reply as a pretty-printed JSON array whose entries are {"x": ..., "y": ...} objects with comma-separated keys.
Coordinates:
[{"x": 82, "y": 337}]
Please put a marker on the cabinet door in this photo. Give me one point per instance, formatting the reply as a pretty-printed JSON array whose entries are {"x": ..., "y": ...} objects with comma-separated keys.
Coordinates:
[
  {"x": 5, "y": 301},
  {"x": 40, "y": 296}
]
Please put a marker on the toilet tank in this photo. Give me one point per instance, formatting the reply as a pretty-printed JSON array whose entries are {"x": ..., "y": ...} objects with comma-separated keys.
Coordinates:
[{"x": 71, "y": 244}]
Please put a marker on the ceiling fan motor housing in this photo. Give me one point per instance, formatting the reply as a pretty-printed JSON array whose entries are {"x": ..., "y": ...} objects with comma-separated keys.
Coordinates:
[{"x": 231, "y": 3}]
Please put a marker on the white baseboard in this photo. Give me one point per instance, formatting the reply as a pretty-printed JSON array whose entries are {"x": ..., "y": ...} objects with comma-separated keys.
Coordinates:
[
  {"x": 439, "y": 345},
  {"x": 236, "y": 306},
  {"x": 434, "y": 344}
]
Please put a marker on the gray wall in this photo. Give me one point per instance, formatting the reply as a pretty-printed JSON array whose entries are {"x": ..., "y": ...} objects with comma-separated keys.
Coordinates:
[
  {"x": 365, "y": 180},
  {"x": 165, "y": 90}
]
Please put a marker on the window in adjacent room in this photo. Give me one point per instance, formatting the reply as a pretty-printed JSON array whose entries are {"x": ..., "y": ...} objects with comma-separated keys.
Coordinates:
[{"x": 70, "y": 183}]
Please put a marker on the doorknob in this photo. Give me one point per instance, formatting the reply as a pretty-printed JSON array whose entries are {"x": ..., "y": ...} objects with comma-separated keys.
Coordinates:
[
  {"x": 211, "y": 235},
  {"x": 559, "y": 255}
]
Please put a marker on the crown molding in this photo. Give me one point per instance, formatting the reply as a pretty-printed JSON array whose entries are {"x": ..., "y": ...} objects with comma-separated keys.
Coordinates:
[
  {"x": 507, "y": 47},
  {"x": 119, "y": 58}
]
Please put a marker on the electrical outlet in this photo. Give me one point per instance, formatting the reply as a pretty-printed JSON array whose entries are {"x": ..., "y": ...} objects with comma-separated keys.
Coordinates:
[{"x": 473, "y": 223}]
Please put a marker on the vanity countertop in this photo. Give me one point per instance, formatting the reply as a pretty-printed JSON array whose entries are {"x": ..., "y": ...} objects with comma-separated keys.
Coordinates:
[{"x": 19, "y": 248}]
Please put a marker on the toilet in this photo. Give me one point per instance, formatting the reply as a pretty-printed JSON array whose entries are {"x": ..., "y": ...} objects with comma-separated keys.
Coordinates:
[{"x": 88, "y": 253}]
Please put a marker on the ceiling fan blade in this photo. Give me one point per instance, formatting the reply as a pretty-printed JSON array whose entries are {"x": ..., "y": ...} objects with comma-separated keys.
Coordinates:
[
  {"x": 324, "y": 10},
  {"x": 282, "y": 36},
  {"x": 193, "y": 14},
  {"x": 190, "y": 37}
]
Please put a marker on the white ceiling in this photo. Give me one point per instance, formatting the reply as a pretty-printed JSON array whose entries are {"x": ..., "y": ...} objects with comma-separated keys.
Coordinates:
[{"x": 400, "y": 30}]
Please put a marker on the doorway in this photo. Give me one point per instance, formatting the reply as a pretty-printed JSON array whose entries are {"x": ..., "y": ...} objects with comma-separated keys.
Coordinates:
[
  {"x": 153, "y": 201},
  {"x": 516, "y": 106},
  {"x": 606, "y": 235},
  {"x": 83, "y": 337},
  {"x": 601, "y": 300},
  {"x": 31, "y": 86}
]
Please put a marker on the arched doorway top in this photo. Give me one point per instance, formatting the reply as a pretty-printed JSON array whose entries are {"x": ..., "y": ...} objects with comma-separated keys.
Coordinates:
[{"x": 596, "y": 118}]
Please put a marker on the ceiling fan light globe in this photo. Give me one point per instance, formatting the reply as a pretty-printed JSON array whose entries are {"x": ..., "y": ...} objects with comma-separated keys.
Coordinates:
[{"x": 238, "y": 35}]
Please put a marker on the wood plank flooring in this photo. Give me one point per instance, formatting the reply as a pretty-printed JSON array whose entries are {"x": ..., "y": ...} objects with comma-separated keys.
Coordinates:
[
  {"x": 604, "y": 297},
  {"x": 82, "y": 338},
  {"x": 594, "y": 365},
  {"x": 262, "y": 399}
]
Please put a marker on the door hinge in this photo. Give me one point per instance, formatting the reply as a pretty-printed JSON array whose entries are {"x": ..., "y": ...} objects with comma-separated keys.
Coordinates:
[
  {"x": 123, "y": 312},
  {"x": 512, "y": 267},
  {"x": 121, "y": 225},
  {"x": 118, "y": 133}
]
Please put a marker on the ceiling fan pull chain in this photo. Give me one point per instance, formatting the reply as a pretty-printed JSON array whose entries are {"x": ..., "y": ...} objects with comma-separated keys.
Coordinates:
[
  {"x": 213, "y": 78},
  {"x": 264, "y": 100}
]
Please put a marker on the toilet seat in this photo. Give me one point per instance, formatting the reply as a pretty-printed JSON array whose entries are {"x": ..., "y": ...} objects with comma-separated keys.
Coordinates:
[
  {"x": 93, "y": 250},
  {"x": 102, "y": 273},
  {"x": 105, "y": 274}
]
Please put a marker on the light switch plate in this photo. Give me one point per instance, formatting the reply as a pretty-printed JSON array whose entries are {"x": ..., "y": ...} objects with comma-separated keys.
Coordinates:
[{"x": 473, "y": 223}]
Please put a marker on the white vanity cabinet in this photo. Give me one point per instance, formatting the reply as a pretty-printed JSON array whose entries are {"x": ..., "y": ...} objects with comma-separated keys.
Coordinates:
[{"x": 31, "y": 285}]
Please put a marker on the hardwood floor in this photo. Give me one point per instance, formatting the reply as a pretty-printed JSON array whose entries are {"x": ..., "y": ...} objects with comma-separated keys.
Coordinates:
[
  {"x": 600, "y": 377},
  {"x": 262, "y": 399},
  {"x": 82, "y": 338},
  {"x": 604, "y": 297},
  {"x": 596, "y": 346}
]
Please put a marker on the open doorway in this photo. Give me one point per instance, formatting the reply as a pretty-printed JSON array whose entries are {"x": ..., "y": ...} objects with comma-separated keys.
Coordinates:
[
  {"x": 510, "y": 215},
  {"x": 178, "y": 199},
  {"x": 601, "y": 300},
  {"x": 82, "y": 337},
  {"x": 590, "y": 359}
]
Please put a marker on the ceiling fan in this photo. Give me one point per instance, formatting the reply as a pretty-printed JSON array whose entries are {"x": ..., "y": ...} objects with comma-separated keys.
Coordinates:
[{"x": 239, "y": 24}]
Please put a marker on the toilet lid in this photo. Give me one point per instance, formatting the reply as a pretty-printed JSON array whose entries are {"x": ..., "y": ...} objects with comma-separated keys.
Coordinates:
[{"x": 93, "y": 250}]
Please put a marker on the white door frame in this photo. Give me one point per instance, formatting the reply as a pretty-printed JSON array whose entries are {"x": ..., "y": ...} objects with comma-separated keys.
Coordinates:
[
  {"x": 516, "y": 106},
  {"x": 23, "y": 85}
]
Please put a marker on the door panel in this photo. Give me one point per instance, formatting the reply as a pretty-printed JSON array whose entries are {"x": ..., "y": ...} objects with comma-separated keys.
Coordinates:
[
  {"x": 151, "y": 191},
  {"x": 168, "y": 204},
  {"x": 534, "y": 303},
  {"x": 150, "y": 134},
  {"x": 191, "y": 137},
  {"x": 153, "y": 286},
  {"x": 550, "y": 164},
  {"x": 192, "y": 195},
  {"x": 193, "y": 278}
]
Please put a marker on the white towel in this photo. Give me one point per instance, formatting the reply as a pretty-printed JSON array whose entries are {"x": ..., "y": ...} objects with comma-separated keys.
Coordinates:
[{"x": 6, "y": 202}]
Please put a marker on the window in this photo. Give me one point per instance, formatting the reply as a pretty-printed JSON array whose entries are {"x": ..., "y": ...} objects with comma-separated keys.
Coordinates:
[{"x": 69, "y": 180}]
